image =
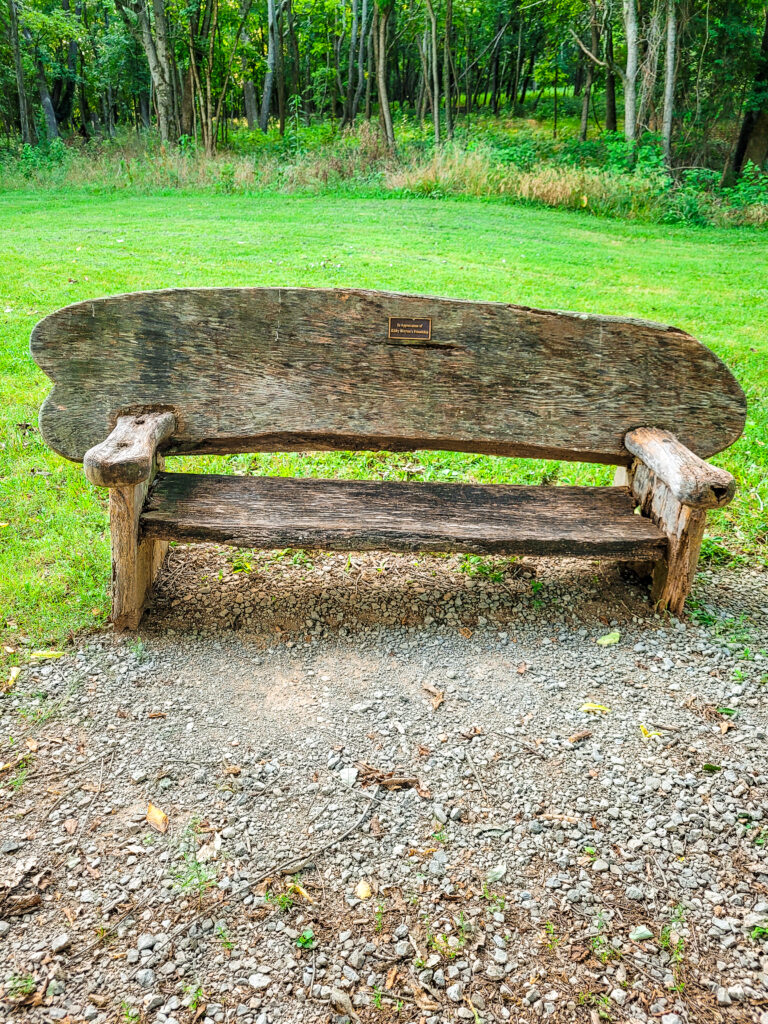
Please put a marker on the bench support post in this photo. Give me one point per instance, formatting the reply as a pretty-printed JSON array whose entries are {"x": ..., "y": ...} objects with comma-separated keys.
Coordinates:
[
  {"x": 673, "y": 576},
  {"x": 126, "y": 462},
  {"x": 674, "y": 488},
  {"x": 135, "y": 560}
]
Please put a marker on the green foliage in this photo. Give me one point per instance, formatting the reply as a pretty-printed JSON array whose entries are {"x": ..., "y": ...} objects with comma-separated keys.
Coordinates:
[{"x": 307, "y": 939}]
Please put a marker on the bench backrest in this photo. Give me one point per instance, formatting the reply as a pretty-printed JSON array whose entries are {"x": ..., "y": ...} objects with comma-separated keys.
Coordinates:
[{"x": 269, "y": 369}]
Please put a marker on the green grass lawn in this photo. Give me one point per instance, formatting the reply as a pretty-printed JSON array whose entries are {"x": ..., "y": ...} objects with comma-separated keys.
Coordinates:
[{"x": 57, "y": 249}]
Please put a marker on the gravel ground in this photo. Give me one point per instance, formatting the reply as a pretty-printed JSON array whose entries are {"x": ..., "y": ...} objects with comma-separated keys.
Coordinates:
[{"x": 394, "y": 790}]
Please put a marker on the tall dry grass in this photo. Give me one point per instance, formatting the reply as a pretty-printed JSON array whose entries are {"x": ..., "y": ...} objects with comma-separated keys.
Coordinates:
[{"x": 359, "y": 161}]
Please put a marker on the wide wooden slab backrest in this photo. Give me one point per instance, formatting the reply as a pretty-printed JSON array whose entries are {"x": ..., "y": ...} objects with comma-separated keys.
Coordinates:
[{"x": 261, "y": 369}]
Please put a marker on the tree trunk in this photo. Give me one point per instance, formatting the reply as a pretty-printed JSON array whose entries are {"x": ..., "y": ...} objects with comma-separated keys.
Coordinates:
[
  {"x": 280, "y": 74},
  {"x": 188, "y": 104},
  {"x": 518, "y": 65},
  {"x": 371, "y": 62},
  {"x": 144, "y": 108},
  {"x": 752, "y": 144},
  {"x": 249, "y": 102},
  {"x": 381, "y": 75},
  {"x": 587, "y": 95},
  {"x": 649, "y": 70},
  {"x": 447, "y": 90},
  {"x": 269, "y": 78},
  {"x": 156, "y": 48},
  {"x": 349, "y": 95},
  {"x": 630, "y": 76},
  {"x": 26, "y": 133},
  {"x": 670, "y": 58},
  {"x": 610, "y": 82},
  {"x": 51, "y": 127},
  {"x": 361, "y": 55},
  {"x": 435, "y": 91}
]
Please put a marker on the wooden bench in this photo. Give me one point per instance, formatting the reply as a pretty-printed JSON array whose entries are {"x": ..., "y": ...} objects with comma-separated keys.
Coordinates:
[{"x": 226, "y": 370}]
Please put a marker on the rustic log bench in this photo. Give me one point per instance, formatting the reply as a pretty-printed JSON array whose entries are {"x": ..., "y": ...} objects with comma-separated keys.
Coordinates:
[{"x": 227, "y": 370}]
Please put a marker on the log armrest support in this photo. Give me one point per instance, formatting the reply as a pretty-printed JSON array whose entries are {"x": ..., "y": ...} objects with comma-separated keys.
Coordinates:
[
  {"x": 674, "y": 488},
  {"x": 126, "y": 463},
  {"x": 127, "y": 456},
  {"x": 689, "y": 479}
]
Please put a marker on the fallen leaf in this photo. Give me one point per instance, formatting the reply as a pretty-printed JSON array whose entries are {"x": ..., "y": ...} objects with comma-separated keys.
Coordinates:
[
  {"x": 71, "y": 825},
  {"x": 646, "y": 732},
  {"x": 597, "y": 709},
  {"x": 299, "y": 890},
  {"x": 391, "y": 978},
  {"x": 609, "y": 639},
  {"x": 232, "y": 769},
  {"x": 69, "y": 915},
  {"x": 13, "y": 675},
  {"x": 210, "y": 850},
  {"x": 725, "y": 726},
  {"x": 32, "y": 744},
  {"x": 363, "y": 890},
  {"x": 157, "y": 818},
  {"x": 522, "y": 668},
  {"x": 496, "y": 873}
]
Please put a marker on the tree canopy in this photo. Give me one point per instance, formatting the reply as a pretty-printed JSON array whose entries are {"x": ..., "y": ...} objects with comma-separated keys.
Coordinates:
[{"x": 692, "y": 72}]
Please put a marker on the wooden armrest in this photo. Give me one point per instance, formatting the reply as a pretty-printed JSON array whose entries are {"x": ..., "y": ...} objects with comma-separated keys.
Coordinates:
[
  {"x": 691, "y": 480},
  {"x": 128, "y": 454}
]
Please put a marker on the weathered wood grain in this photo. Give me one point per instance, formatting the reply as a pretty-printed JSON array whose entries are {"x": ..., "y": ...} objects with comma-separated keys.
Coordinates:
[
  {"x": 135, "y": 559},
  {"x": 689, "y": 479},
  {"x": 128, "y": 454},
  {"x": 683, "y": 525},
  {"x": 278, "y": 512},
  {"x": 261, "y": 369}
]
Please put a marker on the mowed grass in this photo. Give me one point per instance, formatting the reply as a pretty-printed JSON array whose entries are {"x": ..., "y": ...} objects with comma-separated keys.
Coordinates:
[{"x": 57, "y": 249}]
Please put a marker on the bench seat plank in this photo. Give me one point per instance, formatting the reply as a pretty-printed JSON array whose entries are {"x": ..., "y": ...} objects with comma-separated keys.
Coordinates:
[{"x": 278, "y": 512}]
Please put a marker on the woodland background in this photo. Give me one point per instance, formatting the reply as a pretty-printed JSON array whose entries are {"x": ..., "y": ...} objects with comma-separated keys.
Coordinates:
[{"x": 656, "y": 109}]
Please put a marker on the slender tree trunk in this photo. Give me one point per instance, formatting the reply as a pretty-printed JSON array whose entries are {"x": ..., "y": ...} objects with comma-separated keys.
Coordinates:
[
  {"x": 611, "y": 122},
  {"x": 587, "y": 95},
  {"x": 51, "y": 127},
  {"x": 447, "y": 91},
  {"x": 280, "y": 74},
  {"x": 649, "y": 69},
  {"x": 156, "y": 48},
  {"x": 670, "y": 59},
  {"x": 361, "y": 55},
  {"x": 385, "y": 113},
  {"x": 269, "y": 78},
  {"x": 630, "y": 76},
  {"x": 435, "y": 92},
  {"x": 518, "y": 65},
  {"x": 249, "y": 89},
  {"x": 26, "y": 134},
  {"x": 371, "y": 62},
  {"x": 144, "y": 108},
  {"x": 349, "y": 95}
]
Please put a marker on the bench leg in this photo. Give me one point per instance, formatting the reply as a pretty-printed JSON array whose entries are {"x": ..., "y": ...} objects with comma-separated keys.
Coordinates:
[
  {"x": 673, "y": 576},
  {"x": 135, "y": 562}
]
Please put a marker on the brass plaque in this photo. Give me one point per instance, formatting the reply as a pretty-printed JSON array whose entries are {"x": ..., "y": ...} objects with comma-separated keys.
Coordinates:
[{"x": 410, "y": 328}]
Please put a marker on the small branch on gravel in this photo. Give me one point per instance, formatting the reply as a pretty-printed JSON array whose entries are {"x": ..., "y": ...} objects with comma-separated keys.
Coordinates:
[
  {"x": 471, "y": 764},
  {"x": 90, "y": 804},
  {"x": 313, "y": 854}
]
